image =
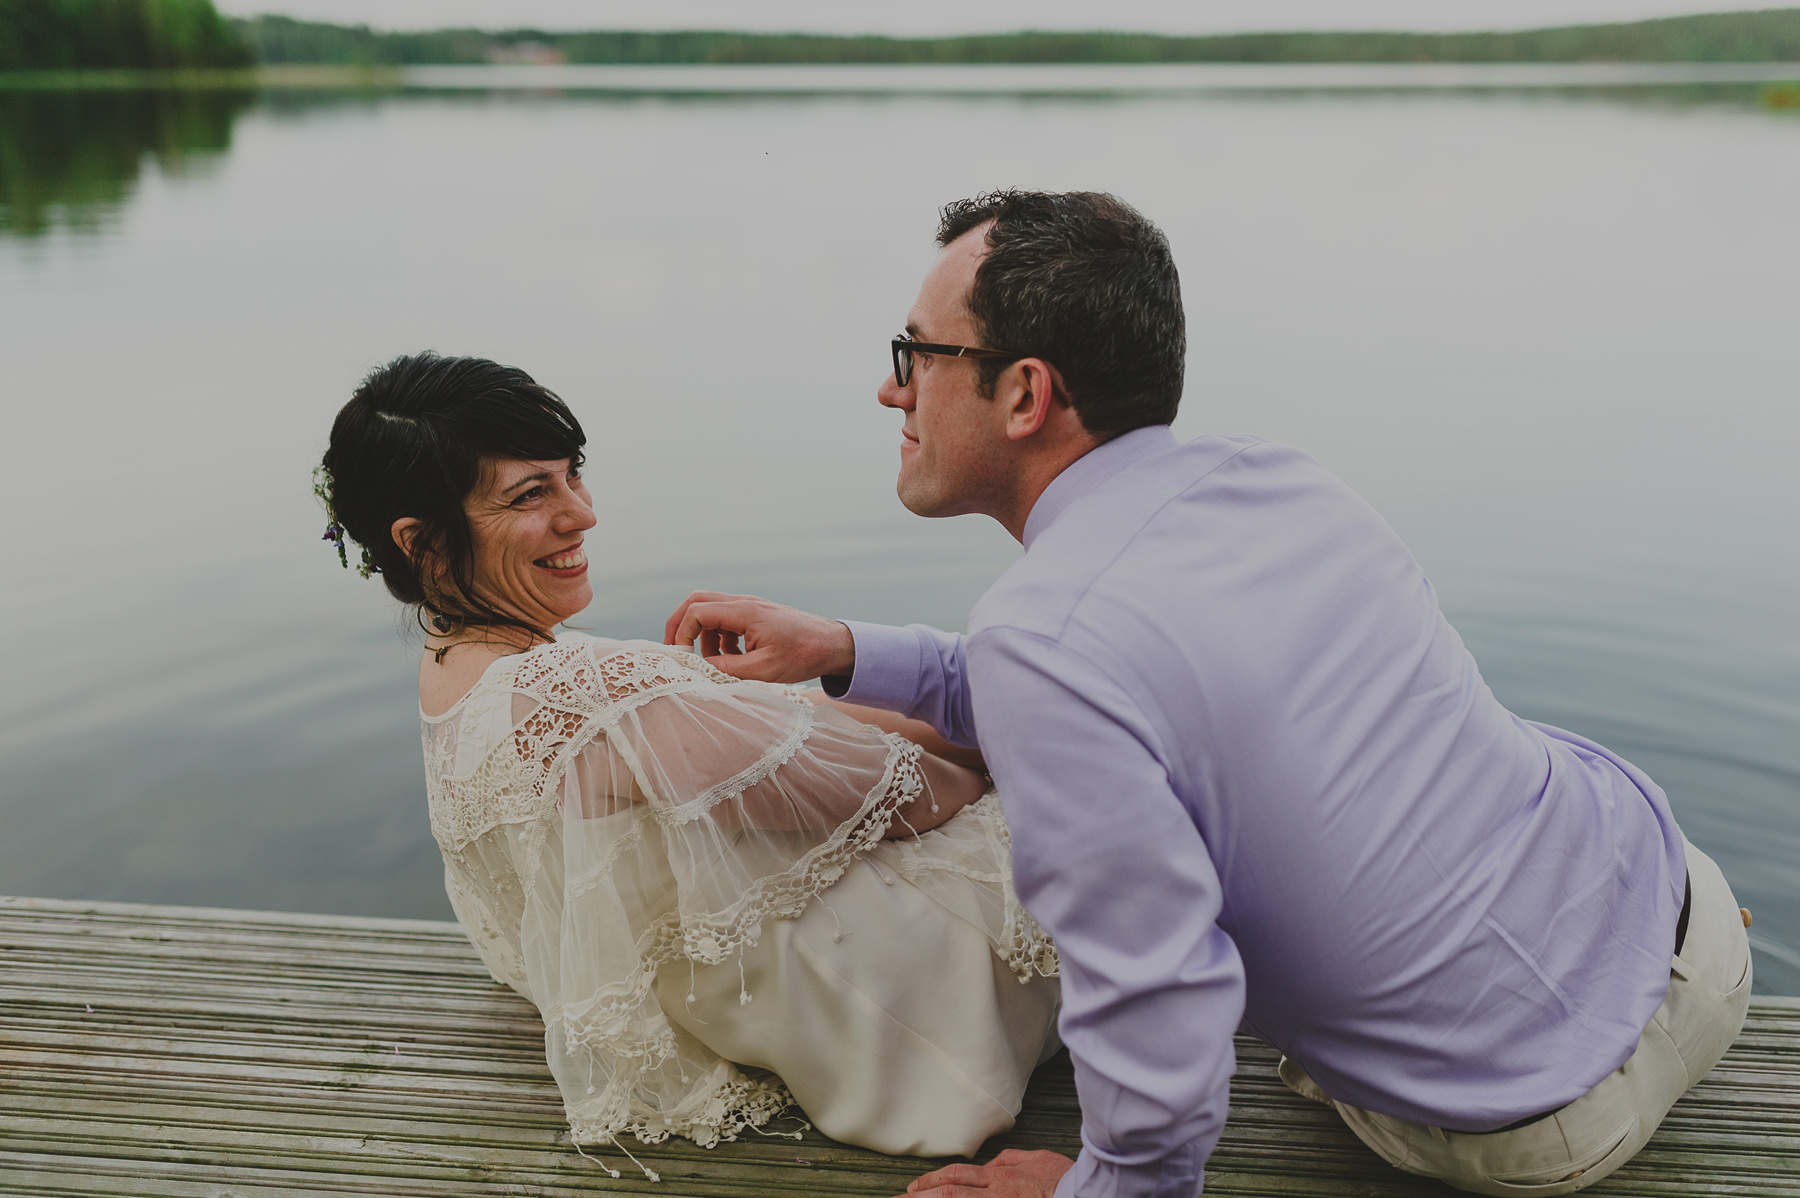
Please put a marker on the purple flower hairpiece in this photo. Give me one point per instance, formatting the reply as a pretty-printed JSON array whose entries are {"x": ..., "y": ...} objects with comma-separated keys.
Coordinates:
[{"x": 334, "y": 529}]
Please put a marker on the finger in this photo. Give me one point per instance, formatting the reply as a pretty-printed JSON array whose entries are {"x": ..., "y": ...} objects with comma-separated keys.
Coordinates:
[
  {"x": 949, "y": 1175},
  {"x": 758, "y": 665},
  {"x": 733, "y": 664},
  {"x": 672, "y": 626},
  {"x": 764, "y": 665},
  {"x": 711, "y": 614},
  {"x": 719, "y": 642}
]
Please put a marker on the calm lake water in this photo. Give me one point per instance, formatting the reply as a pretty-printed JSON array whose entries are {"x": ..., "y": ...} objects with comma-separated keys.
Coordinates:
[{"x": 1549, "y": 334}]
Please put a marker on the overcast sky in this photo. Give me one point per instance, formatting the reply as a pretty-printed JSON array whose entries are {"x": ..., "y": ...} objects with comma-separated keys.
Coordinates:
[{"x": 929, "y": 17}]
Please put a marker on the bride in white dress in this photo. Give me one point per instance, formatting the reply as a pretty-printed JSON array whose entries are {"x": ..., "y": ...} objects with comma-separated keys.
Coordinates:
[{"x": 722, "y": 896}]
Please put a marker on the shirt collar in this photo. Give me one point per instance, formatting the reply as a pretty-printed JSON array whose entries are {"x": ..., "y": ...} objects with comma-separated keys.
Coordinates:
[{"x": 1087, "y": 472}]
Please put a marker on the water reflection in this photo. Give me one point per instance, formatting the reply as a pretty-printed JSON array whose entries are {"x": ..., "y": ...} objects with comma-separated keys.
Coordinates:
[
  {"x": 1547, "y": 337},
  {"x": 71, "y": 158}
]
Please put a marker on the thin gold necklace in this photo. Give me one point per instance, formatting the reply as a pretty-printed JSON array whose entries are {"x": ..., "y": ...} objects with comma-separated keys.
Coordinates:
[{"x": 437, "y": 654}]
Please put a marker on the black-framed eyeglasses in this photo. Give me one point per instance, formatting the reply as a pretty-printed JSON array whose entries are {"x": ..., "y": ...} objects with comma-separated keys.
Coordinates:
[{"x": 905, "y": 347}]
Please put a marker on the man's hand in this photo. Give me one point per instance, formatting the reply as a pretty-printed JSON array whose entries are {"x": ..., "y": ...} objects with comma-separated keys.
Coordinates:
[
  {"x": 752, "y": 638},
  {"x": 1015, "y": 1173}
]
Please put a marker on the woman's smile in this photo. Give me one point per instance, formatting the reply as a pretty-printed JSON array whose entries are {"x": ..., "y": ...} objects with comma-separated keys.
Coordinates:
[{"x": 566, "y": 563}]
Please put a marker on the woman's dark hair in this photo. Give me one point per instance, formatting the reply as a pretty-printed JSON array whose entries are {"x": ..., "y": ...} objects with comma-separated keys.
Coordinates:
[
  {"x": 1082, "y": 280},
  {"x": 414, "y": 440}
]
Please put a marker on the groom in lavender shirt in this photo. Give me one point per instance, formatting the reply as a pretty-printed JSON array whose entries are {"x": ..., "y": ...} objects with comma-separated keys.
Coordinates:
[{"x": 1252, "y": 774}]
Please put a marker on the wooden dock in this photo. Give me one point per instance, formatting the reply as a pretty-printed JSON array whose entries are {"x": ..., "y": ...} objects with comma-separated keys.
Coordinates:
[{"x": 191, "y": 1053}]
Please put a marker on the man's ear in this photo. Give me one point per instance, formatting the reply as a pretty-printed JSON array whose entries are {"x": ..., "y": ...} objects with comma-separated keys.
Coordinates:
[
  {"x": 406, "y": 532},
  {"x": 1031, "y": 394}
]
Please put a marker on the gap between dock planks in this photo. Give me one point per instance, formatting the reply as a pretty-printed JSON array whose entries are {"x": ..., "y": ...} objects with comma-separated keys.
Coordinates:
[{"x": 179, "y": 1052}]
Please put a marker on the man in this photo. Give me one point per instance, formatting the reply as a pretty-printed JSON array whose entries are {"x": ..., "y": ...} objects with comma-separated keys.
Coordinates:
[{"x": 1251, "y": 773}]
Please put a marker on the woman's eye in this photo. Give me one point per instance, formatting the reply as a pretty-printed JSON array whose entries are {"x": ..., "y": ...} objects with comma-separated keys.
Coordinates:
[{"x": 533, "y": 493}]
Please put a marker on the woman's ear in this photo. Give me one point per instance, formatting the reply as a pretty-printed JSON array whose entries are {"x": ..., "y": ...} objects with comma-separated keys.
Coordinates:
[{"x": 406, "y": 531}]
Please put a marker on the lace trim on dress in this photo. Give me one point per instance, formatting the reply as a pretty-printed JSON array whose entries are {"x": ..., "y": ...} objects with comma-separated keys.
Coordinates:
[
  {"x": 733, "y": 1103},
  {"x": 710, "y": 940},
  {"x": 731, "y": 788},
  {"x": 605, "y": 1017},
  {"x": 1025, "y": 947},
  {"x": 518, "y": 788},
  {"x": 609, "y": 1021}
]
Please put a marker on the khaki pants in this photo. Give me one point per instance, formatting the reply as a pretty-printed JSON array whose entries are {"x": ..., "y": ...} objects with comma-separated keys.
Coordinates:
[{"x": 1709, "y": 992}]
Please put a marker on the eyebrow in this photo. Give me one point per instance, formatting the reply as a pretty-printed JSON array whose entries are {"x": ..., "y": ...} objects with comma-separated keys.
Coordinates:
[{"x": 542, "y": 476}]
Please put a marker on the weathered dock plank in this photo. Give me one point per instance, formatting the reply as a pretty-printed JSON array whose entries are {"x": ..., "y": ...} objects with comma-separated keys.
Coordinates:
[{"x": 188, "y": 1053}]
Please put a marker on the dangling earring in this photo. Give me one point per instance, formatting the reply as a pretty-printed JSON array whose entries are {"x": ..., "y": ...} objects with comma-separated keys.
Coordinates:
[{"x": 443, "y": 625}]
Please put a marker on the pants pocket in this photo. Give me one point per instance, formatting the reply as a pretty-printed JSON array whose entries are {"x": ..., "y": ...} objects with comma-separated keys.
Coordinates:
[
  {"x": 1578, "y": 1173},
  {"x": 1743, "y": 982}
]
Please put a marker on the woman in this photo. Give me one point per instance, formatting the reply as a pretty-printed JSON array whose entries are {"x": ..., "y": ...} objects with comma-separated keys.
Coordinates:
[{"x": 718, "y": 894}]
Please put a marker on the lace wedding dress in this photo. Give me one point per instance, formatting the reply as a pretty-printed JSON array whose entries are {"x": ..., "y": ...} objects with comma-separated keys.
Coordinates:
[{"x": 686, "y": 875}]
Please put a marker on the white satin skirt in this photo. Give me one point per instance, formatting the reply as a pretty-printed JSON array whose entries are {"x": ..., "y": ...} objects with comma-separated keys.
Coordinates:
[{"x": 892, "y": 1021}]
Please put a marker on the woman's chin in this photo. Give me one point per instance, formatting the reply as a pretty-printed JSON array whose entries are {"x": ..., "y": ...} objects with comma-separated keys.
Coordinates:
[{"x": 574, "y": 603}]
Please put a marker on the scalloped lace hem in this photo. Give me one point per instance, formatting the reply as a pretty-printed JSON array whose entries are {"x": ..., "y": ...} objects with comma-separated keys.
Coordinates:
[{"x": 739, "y": 1103}]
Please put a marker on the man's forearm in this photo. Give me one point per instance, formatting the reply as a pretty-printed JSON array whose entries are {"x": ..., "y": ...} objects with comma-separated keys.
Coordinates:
[
  {"x": 1110, "y": 862},
  {"x": 917, "y": 671}
]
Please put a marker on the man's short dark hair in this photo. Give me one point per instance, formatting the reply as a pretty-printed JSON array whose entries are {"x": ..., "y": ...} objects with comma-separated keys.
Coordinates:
[{"x": 1082, "y": 280}]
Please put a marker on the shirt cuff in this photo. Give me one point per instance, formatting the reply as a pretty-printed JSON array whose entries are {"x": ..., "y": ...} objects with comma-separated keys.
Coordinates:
[
  {"x": 1181, "y": 1174},
  {"x": 887, "y": 667}
]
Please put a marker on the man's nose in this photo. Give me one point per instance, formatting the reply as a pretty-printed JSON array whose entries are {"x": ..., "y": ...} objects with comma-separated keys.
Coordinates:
[{"x": 892, "y": 395}]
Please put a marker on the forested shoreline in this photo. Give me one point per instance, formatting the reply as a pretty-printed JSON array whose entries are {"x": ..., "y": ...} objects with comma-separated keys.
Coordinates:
[
  {"x": 61, "y": 35},
  {"x": 1762, "y": 36},
  {"x": 52, "y": 35}
]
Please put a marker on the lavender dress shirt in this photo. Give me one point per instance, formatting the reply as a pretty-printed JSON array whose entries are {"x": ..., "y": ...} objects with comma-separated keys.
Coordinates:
[{"x": 1253, "y": 774}]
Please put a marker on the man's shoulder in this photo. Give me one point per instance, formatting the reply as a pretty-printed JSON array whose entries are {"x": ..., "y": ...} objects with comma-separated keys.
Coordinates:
[{"x": 1093, "y": 538}]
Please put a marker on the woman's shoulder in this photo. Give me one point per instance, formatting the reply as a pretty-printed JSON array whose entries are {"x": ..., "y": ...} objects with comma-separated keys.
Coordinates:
[{"x": 601, "y": 668}]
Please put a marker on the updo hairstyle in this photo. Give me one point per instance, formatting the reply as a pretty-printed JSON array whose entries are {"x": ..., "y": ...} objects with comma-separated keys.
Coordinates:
[{"x": 414, "y": 440}]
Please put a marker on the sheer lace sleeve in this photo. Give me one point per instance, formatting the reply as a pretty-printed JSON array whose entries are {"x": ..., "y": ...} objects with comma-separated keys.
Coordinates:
[{"x": 615, "y": 813}]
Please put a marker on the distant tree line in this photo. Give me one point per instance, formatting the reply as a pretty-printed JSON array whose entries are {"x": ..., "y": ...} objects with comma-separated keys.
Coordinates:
[
  {"x": 285, "y": 40},
  {"x": 1765, "y": 36},
  {"x": 54, "y": 35},
  {"x": 64, "y": 34}
]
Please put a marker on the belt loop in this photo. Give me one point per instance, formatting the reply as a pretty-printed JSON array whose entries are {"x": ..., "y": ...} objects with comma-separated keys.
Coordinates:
[{"x": 1437, "y": 1133}]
